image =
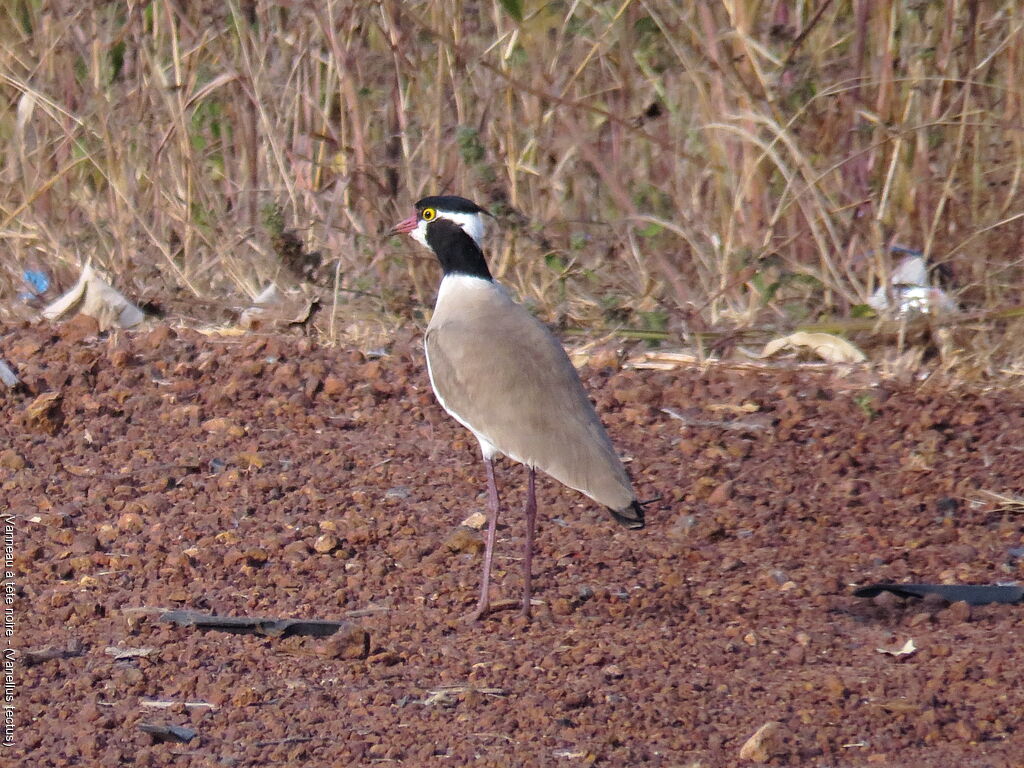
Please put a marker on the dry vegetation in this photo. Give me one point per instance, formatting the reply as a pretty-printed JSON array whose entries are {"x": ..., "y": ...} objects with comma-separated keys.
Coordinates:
[{"x": 654, "y": 165}]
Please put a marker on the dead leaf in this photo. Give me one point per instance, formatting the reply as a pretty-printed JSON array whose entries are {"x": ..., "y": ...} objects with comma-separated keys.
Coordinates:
[
  {"x": 766, "y": 741},
  {"x": 222, "y": 424},
  {"x": 661, "y": 360},
  {"x": 828, "y": 347},
  {"x": 899, "y": 650},
  {"x": 900, "y": 706},
  {"x": 464, "y": 539},
  {"x": 476, "y": 521},
  {"x": 739, "y": 410},
  {"x": 225, "y": 331},
  {"x": 94, "y": 297},
  {"x": 249, "y": 460},
  {"x": 78, "y": 470}
]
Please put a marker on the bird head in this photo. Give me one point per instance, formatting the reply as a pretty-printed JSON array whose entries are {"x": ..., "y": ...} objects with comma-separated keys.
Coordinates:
[{"x": 441, "y": 212}]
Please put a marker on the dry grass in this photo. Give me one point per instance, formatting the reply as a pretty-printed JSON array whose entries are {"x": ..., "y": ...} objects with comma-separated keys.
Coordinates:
[{"x": 652, "y": 163}]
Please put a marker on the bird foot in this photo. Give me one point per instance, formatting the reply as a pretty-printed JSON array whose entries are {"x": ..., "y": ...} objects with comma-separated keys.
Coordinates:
[{"x": 474, "y": 616}]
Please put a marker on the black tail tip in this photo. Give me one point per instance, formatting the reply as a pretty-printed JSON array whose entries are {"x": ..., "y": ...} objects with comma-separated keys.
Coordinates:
[{"x": 631, "y": 517}]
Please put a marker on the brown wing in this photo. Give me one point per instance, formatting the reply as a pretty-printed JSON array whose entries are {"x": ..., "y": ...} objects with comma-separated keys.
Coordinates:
[{"x": 515, "y": 386}]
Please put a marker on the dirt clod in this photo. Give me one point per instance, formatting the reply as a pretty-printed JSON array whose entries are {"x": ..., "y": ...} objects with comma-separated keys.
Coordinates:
[
  {"x": 764, "y": 744},
  {"x": 44, "y": 413},
  {"x": 11, "y": 459}
]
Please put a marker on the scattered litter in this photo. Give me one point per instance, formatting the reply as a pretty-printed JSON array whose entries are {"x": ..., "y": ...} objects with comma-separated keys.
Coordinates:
[
  {"x": 49, "y": 653},
  {"x": 175, "y": 733},
  {"x": 828, "y": 347},
  {"x": 1006, "y": 503},
  {"x": 739, "y": 410},
  {"x": 448, "y": 695},
  {"x": 221, "y": 331},
  {"x": 954, "y": 593},
  {"x": 911, "y": 290},
  {"x": 660, "y": 360},
  {"x": 241, "y": 625},
  {"x": 120, "y": 654},
  {"x": 96, "y": 298},
  {"x": 899, "y": 650},
  {"x": 37, "y": 283},
  {"x": 167, "y": 704},
  {"x": 750, "y": 423},
  {"x": 372, "y": 610},
  {"x": 573, "y": 754},
  {"x": 274, "y": 308},
  {"x": 7, "y": 376},
  {"x": 279, "y": 742},
  {"x": 442, "y": 698}
]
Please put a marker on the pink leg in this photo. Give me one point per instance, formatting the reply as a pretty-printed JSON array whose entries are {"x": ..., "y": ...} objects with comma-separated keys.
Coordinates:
[
  {"x": 492, "y": 526},
  {"x": 531, "y": 520}
]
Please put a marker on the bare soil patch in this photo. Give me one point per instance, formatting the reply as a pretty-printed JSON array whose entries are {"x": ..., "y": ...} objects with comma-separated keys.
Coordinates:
[{"x": 269, "y": 476}]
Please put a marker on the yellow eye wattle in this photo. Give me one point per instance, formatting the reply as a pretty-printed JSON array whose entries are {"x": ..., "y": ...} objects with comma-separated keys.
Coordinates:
[{"x": 429, "y": 214}]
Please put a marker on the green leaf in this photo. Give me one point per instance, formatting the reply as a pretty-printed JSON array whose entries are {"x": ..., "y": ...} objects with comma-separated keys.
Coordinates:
[
  {"x": 866, "y": 403},
  {"x": 862, "y": 310},
  {"x": 645, "y": 26},
  {"x": 651, "y": 230},
  {"x": 801, "y": 278},
  {"x": 513, "y": 8},
  {"x": 767, "y": 290},
  {"x": 656, "y": 320},
  {"x": 470, "y": 147},
  {"x": 554, "y": 262},
  {"x": 116, "y": 60}
]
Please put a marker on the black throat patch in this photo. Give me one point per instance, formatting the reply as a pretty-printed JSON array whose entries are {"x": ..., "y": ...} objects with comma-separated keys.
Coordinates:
[{"x": 457, "y": 251}]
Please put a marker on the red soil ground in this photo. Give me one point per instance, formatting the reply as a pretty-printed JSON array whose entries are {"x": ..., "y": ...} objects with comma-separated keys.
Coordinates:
[{"x": 269, "y": 476}]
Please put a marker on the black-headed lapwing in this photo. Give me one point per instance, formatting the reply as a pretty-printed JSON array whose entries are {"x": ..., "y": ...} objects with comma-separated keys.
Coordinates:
[{"x": 503, "y": 375}]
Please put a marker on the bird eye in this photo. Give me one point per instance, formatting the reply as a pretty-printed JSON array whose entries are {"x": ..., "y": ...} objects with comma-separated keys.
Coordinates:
[{"x": 428, "y": 214}]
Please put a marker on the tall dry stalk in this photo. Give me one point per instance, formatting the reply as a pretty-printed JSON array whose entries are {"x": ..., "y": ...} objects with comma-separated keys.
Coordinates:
[{"x": 735, "y": 163}]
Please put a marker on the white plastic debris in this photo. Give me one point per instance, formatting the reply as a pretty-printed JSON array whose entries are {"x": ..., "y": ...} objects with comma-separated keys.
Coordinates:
[
  {"x": 93, "y": 296},
  {"x": 911, "y": 291},
  {"x": 7, "y": 376},
  {"x": 274, "y": 307},
  {"x": 899, "y": 650},
  {"x": 268, "y": 299}
]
